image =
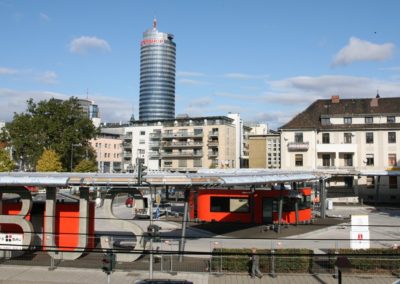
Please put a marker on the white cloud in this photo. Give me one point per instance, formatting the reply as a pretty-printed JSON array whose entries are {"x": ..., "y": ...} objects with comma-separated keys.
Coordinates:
[
  {"x": 189, "y": 74},
  {"x": 48, "y": 77},
  {"x": 201, "y": 102},
  {"x": 84, "y": 44},
  {"x": 243, "y": 76},
  {"x": 7, "y": 71},
  {"x": 190, "y": 82},
  {"x": 111, "y": 109},
  {"x": 361, "y": 50},
  {"x": 44, "y": 17}
]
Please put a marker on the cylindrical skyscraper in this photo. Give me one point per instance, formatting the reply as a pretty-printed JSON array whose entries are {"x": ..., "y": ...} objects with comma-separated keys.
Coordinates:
[{"x": 157, "y": 75}]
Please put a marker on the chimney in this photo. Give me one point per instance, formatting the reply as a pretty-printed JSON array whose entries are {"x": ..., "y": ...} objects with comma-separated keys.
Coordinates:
[
  {"x": 374, "y": 102},
  {"x": 335, "y": 99}
]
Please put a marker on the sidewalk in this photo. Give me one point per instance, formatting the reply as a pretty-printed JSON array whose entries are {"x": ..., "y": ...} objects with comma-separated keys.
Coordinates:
[{"x": 30, "y": 274}]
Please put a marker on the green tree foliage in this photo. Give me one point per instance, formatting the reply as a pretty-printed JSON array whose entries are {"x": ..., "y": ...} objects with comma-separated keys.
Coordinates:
[
  {"x": 49, "y": 162},
  {"x": 6, "y": 165},
  {"x": 51, "y": 124},
  {"x": 86, "y": 166}
]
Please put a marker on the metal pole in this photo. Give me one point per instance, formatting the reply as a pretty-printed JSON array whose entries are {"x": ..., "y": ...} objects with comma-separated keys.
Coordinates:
[
  {"x": 323, "y": 198},
  {"x": 280, "y": 211},
  {"x": 108, "y": 278},
  {"x": 185, "y": 219},
  {"x": 151, "y": 240}
]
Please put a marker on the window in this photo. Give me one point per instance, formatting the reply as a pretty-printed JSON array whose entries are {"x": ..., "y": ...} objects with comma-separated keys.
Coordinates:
[
  {"x": 142, "y": 132},
  {"x": 299, "y": 160},
  {"x": 369, "y": 119},
  {"x": 348, "y": 160},
  {"x": 392, "y": 160},
  {"x": 197, "y": 163},
  {"x": 392, "y": 181},
  {"x": 298, "y": 137},
  {"x": 326, "y": 160},
  {"x": 198, "y": 131},
  {"x": 391, "y": 137},
  {"x": 182, "y": 163},
  {"x": 325, "y": 121},
  {"x": 369, "y": 137},
  {"x": 325, "y": 138},
  {"x": 347, "y": 120},
  {"x": 227, "y": 204},
  {"x": 391, "y": 119},
  {"x": 347, "y": 138},
  {"x": 370, "y": 160},
  {"x": 142, "y": 141},
  {"x": 168, "y": 164}
]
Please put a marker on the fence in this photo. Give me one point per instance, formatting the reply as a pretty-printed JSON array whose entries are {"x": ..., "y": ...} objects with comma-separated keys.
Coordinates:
[{"x": 223, "y": 261}]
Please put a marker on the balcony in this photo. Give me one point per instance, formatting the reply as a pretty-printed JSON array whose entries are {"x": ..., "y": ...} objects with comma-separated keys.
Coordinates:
[
  {"x": 127, "y": 155},
  {"x": 213, "y": 154},
  {"x": 182, "y": 154},
  {"x": 127, "y": 144},
  {"x": 155, "y": 144},
  {"x": 213, "y": 143},
  {"x": 127, "y": 136},
  {"x": 155, "y": 135},
  {"x": 182, "y": 144},
  {"x": 154, "y": 155},
  {"x": 298, "y": 146},
  {"x": 182, "y": 135},
  {"x": 213, "y": 134}
]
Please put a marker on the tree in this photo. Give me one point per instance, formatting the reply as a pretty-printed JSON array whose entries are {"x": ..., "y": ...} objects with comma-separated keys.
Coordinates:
[
  {"x": 86, "y": 166},
  {"x": 49, "y": 162},
  {"x": 6, "y": 165},
  {"x": 51, "y": 124}
]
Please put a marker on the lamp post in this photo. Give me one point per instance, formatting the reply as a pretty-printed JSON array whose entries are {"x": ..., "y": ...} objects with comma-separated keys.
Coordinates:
[{"x": 72, "y": 154}]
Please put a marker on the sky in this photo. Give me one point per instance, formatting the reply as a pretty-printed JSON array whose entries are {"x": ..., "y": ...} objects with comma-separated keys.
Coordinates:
[{"x": 267, "y": 60}]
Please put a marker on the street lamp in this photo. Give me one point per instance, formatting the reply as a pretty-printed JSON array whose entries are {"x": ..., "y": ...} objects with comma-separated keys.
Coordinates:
[{"x": 72, "y": 153}]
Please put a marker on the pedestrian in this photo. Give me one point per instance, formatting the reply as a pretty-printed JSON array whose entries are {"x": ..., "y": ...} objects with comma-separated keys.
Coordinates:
[{"x": 255, "y": 264}]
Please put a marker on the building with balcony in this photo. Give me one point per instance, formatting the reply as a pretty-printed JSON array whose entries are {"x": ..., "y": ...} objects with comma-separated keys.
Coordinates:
[
  {"x": 181, "y": 144},
  {"x": 345, "y": 135}
]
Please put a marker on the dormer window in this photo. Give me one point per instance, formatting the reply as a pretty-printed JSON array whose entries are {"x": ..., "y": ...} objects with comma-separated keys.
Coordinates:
[
  {"x": 325, "y": 121},
  {"x": 369, "y": 119},
  {"x": 347, "y": 120},
  {"x": 391, "y": 119}
]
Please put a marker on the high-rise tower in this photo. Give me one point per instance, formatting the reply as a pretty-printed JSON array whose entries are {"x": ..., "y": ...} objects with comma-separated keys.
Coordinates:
[{"x": 157, "y": 75}]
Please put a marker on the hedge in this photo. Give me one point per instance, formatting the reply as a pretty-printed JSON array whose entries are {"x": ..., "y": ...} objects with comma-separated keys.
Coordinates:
[
  {"x": 286, "y": 260},
  {"x": 371, "y": 259}
]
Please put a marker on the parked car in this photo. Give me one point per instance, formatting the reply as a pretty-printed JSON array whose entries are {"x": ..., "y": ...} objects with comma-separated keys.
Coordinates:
[{"x": 129, "y": 202}]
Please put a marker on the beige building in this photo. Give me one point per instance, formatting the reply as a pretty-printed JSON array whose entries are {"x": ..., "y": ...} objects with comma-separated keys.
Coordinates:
[
  {"x": 265, "y": 151},
  {"x": 108, "y": 149},
  {"x": 347, "y": 135},
  {"x": 181, "y": 144}
]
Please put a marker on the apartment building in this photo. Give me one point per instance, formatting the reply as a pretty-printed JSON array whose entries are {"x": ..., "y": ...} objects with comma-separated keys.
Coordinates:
[
  {"x": 265, "y": 150},
  {"x": 345, "y": 135},
  {"x": 181, "y": 144},
  {"x": 108, "y": 147}
]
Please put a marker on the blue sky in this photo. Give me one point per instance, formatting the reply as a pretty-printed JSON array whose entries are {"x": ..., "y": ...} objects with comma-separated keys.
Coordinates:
[{"x": 267, "y": 60}]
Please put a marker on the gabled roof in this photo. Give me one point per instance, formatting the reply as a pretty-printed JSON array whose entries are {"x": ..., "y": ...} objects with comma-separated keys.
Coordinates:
[{"x": 311, "y": 117}]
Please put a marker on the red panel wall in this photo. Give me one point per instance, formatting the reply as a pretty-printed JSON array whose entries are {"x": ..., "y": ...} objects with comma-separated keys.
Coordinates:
[
  {"x": 12, "y": 209},
  {"x": 67, "y": 226},
  {"x": 204, "y": 213}
]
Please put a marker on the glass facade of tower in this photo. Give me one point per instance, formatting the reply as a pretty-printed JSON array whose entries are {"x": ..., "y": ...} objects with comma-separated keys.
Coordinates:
[{"x": 157, "y": 76}]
